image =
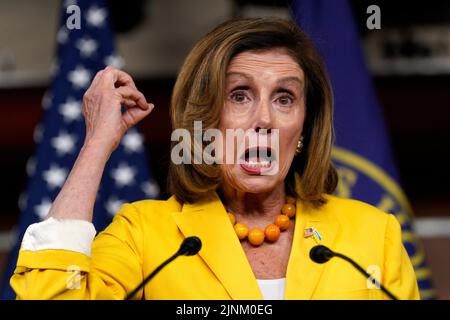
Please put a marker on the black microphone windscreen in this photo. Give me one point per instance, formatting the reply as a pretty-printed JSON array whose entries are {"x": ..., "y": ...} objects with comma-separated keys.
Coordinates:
[
  {"x": 320, "y": 254},
  {"x": 190, "y": 246}
]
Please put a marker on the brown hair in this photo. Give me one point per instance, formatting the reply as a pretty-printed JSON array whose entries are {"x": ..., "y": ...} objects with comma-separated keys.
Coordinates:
[{"x": 199, "y": 95}]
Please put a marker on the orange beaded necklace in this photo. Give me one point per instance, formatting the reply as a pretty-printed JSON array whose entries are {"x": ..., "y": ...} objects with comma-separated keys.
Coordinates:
[{"x": 272, "y": 232}]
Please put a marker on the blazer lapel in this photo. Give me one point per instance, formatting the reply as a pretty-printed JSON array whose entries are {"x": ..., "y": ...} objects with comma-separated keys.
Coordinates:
[
  {"x": 303, "y": 274},
  {"x": 221, "y": 249}
]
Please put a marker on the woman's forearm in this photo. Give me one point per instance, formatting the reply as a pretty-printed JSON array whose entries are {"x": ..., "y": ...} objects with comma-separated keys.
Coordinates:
[
  {"x": 105, "y": 126},
  {"x": 77, "y": 197}
]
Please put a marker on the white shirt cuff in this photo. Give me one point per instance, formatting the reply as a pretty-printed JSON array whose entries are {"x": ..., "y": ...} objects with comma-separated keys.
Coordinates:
[{"x": 60, "y": 234}]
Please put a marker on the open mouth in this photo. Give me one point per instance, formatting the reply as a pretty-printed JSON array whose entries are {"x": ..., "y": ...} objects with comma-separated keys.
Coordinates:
[{"x": 257, "y": 160}]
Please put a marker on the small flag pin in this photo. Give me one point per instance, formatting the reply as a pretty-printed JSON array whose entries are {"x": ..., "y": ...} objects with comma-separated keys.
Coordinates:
[{"x": 312, "y": 232}]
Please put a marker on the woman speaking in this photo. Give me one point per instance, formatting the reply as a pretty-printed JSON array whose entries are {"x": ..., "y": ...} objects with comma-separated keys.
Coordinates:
[{"x": 258, "y": 213}]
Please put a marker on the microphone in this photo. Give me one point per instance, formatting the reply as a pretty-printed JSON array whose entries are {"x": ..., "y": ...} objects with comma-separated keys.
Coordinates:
[
  {"x": 321, "y": 254},
  {"x": 189, "y": 247}
]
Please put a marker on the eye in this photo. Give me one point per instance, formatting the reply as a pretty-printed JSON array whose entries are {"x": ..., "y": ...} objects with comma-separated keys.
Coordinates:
[
  {"x": 239, "y": 96},
  {"x": 285, "y": 100}
]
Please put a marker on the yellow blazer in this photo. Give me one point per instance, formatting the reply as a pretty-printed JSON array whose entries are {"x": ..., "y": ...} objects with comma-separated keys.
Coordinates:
[{"x": 145, "y": 233}]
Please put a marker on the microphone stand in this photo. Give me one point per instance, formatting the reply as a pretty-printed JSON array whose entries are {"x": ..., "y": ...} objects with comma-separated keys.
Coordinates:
[
  {"x": 189, "y": 247},
  {"x": 364, "y": 272},
  {"x": 151, "y": 275},
  {"x": 321, "y": 254}
]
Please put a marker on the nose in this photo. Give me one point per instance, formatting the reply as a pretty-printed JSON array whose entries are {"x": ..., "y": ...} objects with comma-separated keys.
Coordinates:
[{"x": 263, "y": 117}]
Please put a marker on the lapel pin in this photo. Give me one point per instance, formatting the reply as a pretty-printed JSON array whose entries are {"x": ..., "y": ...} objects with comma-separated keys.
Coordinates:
[{"x": 312, "y": 232}]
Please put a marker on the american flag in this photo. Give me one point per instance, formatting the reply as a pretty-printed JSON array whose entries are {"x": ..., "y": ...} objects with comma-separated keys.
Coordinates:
[
  {"x": 312, "y": 232},
  {"x": 308, "y": 232},
  {"x": 81, "y": 53}
]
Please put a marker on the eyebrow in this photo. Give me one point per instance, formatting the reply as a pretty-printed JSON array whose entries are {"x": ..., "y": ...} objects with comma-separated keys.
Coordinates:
[{"x": 282, "y": 80}]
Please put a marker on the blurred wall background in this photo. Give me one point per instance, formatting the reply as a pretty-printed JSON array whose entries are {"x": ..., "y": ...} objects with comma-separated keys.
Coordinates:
[{"x": 409, "y": 58}]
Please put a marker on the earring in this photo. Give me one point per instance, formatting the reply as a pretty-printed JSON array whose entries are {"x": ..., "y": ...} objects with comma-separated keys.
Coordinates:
[{"x": 299, "y": 146}]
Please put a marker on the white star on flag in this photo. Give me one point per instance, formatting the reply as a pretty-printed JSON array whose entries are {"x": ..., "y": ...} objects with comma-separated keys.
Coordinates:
[
  {"x": 54, "y": 68},
  {"x": 132, "y": 141},
  {"x": 38, "y": 133},
  {"x": 80, "y": 77},
  {"x": 62, "y": 35},
  {"x": 68, "y": 3},
  {"x": 123, "y": 175},
  {"x": 70, "y": 110},
  {"x": 150, "y": 188},
  {"x": 43, "y": 208},
  {"x": 23, "y": 198},
  {"x": 64, "y": 143},
  {"x": 31, "y": 166},
  {"x": 47, "y": 100},
  {"x": 115, "y": 61},
  {"x": 112, "y": 205},
  {"x": 96, "y": 16},
  {"x": 55, "y": 176},
  {"x": 86, "y": 46}
]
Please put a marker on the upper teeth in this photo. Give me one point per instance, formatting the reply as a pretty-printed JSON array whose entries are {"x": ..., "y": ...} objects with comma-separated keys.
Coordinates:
[{"x": 254, "y": 164}]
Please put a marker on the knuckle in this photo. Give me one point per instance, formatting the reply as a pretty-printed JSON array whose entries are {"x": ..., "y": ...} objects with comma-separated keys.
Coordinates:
[
  {"x": 127, "y": 76},
  {"x": 87, "y": 96},
  {"x": 84, "y": 110},
  {"x": 99, "y": 73},
  {"x": 107, "y": 72},
  {"x": 109, "y": 69}
]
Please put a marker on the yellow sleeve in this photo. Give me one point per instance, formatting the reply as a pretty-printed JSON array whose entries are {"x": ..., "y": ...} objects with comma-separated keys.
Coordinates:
[
  {"x": 113, "y": 270},
  {"x": 399, "y": 276}
]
